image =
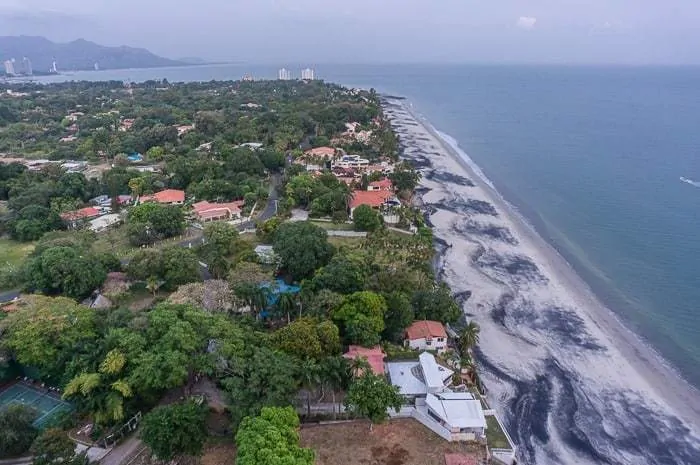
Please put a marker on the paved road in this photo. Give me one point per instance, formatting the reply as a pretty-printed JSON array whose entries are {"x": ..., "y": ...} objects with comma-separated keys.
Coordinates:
[{"x": 123, "y": 451}]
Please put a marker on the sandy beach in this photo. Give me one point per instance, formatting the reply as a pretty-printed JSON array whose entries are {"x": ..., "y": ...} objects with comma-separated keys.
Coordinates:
[{"x": 573, "y": 384}]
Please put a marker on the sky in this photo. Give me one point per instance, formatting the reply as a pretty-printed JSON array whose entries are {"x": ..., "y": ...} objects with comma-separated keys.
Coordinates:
[{"x": 376, "y": 31}]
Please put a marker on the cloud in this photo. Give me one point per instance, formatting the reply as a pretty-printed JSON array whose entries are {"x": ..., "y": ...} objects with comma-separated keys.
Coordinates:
[{"x": 526, "y": 22}]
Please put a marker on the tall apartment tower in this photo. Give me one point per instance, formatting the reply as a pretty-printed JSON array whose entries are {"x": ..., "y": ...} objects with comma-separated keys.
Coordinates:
[
  {"x": 10, "y": 67},
  {"x": 284, "y": 74},
  {"x": 307, "y": 74}
]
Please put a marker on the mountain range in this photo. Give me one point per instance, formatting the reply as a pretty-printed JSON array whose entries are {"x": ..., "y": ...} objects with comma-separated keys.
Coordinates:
[{"x": 78, "y": 55}]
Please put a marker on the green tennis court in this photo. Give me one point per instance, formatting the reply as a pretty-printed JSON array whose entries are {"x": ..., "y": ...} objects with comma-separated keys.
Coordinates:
[{"x": 47, "y": 404}]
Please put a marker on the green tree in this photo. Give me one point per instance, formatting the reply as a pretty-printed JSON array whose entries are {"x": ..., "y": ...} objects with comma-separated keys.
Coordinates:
[
  {"x": 46, "y": 333},
  {"x": 335, "y": 374},
  {"x": 175, "y": 430},
  {"x": 65, "y": 270},
  {"x": 361, "y": 318},
  {"x": 365, "y": 218},
  {"x": 16, "y": 430},
  {"x": 261, "y": 378},
  {"x": 468, "y": 338},
  {"x": 344, "y": 274},
  {"x": 398, "y": 316},
  {"x": 271, "y": 438},
  {"x": 54, "y": 446},
  {"x": 307, "y": 338},
  {"x": 102, "y": 393},
  {"x": 372, "y": 396},
  {"x": 436, "y": 304},
  {"x": 180, "y": 266},
  {"x": 303, "y": 248}
]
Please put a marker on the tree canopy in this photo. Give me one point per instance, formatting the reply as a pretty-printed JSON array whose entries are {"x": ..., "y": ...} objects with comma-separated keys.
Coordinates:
[
  {"x": 174, "y": 430},
  {"x": 303, "y": 248},
  {"x": 371, "y": 396}
]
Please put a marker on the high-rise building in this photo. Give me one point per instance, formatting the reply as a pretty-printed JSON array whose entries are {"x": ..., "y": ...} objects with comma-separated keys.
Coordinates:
[
  {"x": 27, "y": 67},
  {"x": 307, "y": 74},
  {"x": 284, "y": 74},
  {"x": 54, "y": 68},
  {"x": 10, "y": 67}
]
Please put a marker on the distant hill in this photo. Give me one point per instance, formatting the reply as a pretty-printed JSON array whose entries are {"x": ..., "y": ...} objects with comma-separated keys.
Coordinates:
[{"x": 78, "y": 55}]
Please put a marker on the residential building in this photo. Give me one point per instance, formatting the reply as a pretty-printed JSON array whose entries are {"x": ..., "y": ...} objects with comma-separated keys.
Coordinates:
[
  {"x": 375, "y": 199},
  {"x": 206, "y": 211},
  {"x": 103, "y": 222},
  {"x": 126, "y": 124},
  {"x": 76, "y": 218},
  {"x": 184, "y": 129},
  {"x": 458, "y": 412},
  {"x": 10, "y": 67},
  {"x": 26, "y": 67},
  {"x": 426, "y": 335},
  {"x": 284, "y": 74},
  {"x": 381, "y": 185},
  {"x": 351, "y": 161},
  {"x": 374, "y": 356},
  {"x": 168, "y": 197},
  {"x": 307, "y": 74}
]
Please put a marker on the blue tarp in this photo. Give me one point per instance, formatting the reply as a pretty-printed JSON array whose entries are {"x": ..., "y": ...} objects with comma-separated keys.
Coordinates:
[
  {"x": 135, "y": 157},
  {"x": 275, "y": 289}
]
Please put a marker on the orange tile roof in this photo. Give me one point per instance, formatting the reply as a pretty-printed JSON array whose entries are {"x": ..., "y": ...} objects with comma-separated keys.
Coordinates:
[
  {"x": 374, "y": 356},
  {"x": 425, "y": 329},
  {"x": 166, "y": 196},
  {"x": 371, "y": 198},
  {"x": 83, "y": 213},
  {"x": 384, "y": 184},
  {"x": 206, "y": 209}
]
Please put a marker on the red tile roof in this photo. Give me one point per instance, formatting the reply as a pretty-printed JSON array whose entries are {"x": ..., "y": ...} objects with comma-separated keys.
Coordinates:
[
  {"x": 206, "y": 209},
  {"x": 425, "y": 330},
  {"x": 384, "y": 185},
  {"x": 82, "y": 214},
  {"x": 373, "y": 199},
  {"x": 166, "y": 196},
  {"x": 460, "y": 459},
  {"x": 374, "y": 356}
]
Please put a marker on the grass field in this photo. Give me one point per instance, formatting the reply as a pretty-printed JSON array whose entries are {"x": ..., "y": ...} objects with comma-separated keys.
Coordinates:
[
  {"x": 495, "y": 436},
  {"x": 13, "y": 252},
  {"x": 398, "y": 442},
  {"x": 334, "y": 226}
]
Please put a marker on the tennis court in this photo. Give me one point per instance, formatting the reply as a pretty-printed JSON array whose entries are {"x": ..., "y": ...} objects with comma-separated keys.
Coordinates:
[{"x": 47, "y": 404}]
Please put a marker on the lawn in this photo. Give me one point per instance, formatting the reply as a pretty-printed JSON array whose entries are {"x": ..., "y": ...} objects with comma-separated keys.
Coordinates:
[
  {"x": 495, "y": 436},
  {"x": 115, "y": 241},
  {"x": 334, "y": 226},
  {"x": 13, "y": 252},
  {"x": 398, "y": 442}
]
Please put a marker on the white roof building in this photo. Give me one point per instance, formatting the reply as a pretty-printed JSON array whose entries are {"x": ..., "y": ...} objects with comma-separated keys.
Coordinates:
[
  {"x": 104, "y": 222},
  {"x": 458, "y": 411},
  {"x": 419, "y": 378}
]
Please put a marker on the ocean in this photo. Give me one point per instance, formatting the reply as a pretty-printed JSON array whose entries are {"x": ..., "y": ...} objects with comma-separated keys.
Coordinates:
[{"x": 592, "y": 157}]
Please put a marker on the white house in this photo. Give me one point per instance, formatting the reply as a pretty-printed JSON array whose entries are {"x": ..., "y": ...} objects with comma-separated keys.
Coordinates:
[
  {"x": 426, "y": 335},
  {"x": 350, "y": 161},
  {"x": 458, "y": 412},
  {"x": 104, "y": 222}
]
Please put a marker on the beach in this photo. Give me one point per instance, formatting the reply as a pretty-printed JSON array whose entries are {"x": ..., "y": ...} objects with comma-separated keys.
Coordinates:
[{"x": 571, "y": 382}]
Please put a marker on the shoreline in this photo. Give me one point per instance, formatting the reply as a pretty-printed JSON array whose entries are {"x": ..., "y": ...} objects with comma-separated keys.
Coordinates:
[
  {"x": 631, "y": 357},
  {"x": 634, "y": 343}
]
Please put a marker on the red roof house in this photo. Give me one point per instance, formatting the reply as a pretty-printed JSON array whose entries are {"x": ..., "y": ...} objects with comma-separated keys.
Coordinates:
[
  {"x": 82, "y": 214},
  {"x": 168, "y": 196},
  {"x": 383, "y": 185},
  {"x": 374, "y": 199},
  {"x": 207, "y": 211},
  {"x": 426, "y": 335},
  {"x": 374, "y": 356}
]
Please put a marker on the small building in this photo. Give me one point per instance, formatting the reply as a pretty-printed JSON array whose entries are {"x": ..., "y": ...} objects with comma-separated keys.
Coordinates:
[
  {"x": 374, "y": 199},
  {"x": 206, "y": 211},
  {"x": 167, "y": 197},
  {"x": 426, "y": 335},
  {"x": 458, "y": 412},
  {"x": 374, "y": 356},
  {"x": 103, "y": 222},
  {"x": 382, "y": 185},
  {"x": 184, "y": 129},
  {"x": 76, "y": 218},
  {"x": 351, "y": 161}
]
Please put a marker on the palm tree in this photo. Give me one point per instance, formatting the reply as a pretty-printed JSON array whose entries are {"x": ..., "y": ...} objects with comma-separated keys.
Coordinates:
[
  {"x": 310, "y": 378},
  {"x": 286, "y": 303},
  {"x": 335, "y": 372},
  {"x": 358, "y": 366},
  {"x": 468, "y": 338},
  {"x": 152, "y": 285}
]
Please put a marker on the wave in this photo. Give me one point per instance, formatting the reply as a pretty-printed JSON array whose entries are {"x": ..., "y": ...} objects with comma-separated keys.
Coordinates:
[{"x": 690, "y": 181}]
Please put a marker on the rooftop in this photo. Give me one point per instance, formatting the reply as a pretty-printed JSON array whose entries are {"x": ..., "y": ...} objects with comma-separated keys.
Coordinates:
[
  {"x": 374, "y": 356},
  {"x": 434, "y": 375},
  {"x": 424, "y": 329},
  {"x": 83, "y": 213},
  {"x": 459, "y": 410},
  {"x": 166, "y": 196},
  {"x": 321, "y": 152},
  {"x": 384, "y": 184},
  {"x": 204, "y": 207},
  {"x": 372, "y": 198}
]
